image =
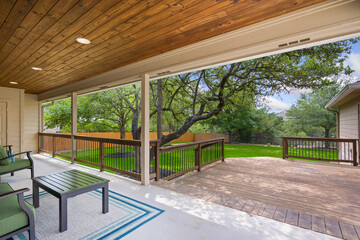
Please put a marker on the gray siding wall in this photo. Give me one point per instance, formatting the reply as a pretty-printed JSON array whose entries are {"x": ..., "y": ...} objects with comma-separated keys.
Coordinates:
[
  {"x": 349, "y": 125},
  {"x": 349, "y": 120}
]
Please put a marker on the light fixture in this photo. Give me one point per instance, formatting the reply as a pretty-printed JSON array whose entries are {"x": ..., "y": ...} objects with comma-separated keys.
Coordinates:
[
  {"x": 36, "y": 68},
  {"x": 13, "y": 83},
  {"x": 83, "y": 40}
]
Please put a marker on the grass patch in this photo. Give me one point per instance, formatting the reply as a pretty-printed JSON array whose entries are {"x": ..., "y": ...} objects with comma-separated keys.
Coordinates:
[{"x": 232, "y": 151}]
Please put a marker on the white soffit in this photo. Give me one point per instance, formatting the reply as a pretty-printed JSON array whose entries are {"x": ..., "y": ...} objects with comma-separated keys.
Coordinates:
[{"x": 329, "y": 21}]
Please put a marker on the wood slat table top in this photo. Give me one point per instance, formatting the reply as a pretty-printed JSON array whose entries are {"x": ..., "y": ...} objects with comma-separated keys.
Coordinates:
[{"x": 64, "y": 182}]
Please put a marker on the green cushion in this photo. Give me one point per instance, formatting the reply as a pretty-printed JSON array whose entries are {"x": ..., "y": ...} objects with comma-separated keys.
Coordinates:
[
  {"x": 3, "y": 154},
  {"x": 18, "y": 164},
  {"x": 12, "y": 217}
]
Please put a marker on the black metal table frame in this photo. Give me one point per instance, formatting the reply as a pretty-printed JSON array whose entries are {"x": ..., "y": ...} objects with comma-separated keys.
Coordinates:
[{"x": 64, "y": 196}]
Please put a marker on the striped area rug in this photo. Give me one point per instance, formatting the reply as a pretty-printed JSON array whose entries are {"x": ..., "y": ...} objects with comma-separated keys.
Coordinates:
[{"x": 85, "y": 218}]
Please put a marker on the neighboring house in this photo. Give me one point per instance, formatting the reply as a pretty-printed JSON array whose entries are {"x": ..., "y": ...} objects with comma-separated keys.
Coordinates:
[
  {"x": 347, "y": 101},
  {"x": 283, "y": 115},
  {"x": 52, "y": 130}
]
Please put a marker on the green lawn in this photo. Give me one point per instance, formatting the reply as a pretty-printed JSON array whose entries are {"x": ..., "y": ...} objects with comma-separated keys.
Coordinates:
[
  {"x": 265, "y": 151},
  {"x": 251, "y": 151}
]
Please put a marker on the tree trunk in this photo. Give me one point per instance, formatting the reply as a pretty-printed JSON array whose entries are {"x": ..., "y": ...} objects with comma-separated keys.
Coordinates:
[
  {"x": 230, "y": 137},
  {"x": 122, "y": 135},
  {"x": 136, "y": 132},
  {"x": 122, "y": 131},
  {"x": 327, "y": 135}
]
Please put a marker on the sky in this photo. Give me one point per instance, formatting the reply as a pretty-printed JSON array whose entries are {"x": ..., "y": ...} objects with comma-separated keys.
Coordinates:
[{"x": 283, "y": 101}]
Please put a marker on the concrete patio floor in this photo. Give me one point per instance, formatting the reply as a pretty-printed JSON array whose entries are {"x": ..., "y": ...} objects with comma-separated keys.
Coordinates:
[{"x": 185, "y": 217}]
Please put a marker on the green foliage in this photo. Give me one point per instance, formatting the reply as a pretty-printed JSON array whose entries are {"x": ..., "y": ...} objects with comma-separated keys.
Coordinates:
[
  {"x": 243, "y": 123},
  {"x": 309, "y": 112}
]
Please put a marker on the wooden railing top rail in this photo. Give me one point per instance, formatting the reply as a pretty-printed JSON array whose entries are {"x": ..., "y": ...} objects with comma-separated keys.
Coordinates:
[
  {"x": 135, "y": 142},
  {"x": 102, "y": 139},
  {"x": 189, "y": 145},
  {"x": 321, "y": 139},
  {"x": 55, "y": 134},
  {"x": 109, "y": 140}
]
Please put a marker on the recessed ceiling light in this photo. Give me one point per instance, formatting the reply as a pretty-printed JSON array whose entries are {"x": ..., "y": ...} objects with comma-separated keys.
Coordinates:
[
  {"x": 36, "y": 68},
  {"x": 83, "y": 40},
  {"x": 13, "y": 83}
]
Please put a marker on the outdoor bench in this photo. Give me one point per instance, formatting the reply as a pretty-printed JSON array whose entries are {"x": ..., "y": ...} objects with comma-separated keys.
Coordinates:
[{"x": 16, "y": 215}]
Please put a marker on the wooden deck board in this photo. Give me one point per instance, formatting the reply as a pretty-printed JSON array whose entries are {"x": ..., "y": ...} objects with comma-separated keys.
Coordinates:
[
  {"x": 333, "y": 228},
  {"x": 258, "y": 209},
  {"x": 348, "y": 231},
  {"x": 318, "y": 224},
  {"x": 292, "y": 217},
  {"x": 249, "y": 206},
  {"x": 311, "y": 195},
  {"x": 305, "y": 220},
  {"x": 280, "y": 214}
]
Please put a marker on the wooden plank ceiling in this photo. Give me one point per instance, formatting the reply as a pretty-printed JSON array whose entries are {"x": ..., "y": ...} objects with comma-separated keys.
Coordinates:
[{"x": 42, "y": 33}]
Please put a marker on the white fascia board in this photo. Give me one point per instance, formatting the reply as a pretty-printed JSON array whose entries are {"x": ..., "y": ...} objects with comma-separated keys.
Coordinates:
[
  {"x": 329, "y": 21},
  {"x": 346, "y": 91}
]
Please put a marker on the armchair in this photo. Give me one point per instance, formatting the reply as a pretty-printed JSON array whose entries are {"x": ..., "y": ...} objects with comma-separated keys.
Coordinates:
[{"x": 19, "y": 164}]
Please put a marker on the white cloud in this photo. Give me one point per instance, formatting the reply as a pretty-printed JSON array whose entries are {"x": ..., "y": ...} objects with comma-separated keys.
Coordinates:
[
  {"x": 275, "y": 105},
  {"x": 296, "y": 93},
  {"x": 354, "y": 62}
]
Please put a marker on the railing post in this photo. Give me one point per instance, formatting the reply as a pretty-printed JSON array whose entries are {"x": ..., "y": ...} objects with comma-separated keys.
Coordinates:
[
  {"x": 102, "y": 152},
  {"x": 73, "y": 126},
  {"x": 157, "y": 165},
  {"x": 73, "y": 149},
  {"x": 284, "y": 145},
  {"x": 354, "y": 153},
  {"x": 54, "y": 146},
  {"x": 199, "y": 157},
  {"x": 223, "y": 149}
]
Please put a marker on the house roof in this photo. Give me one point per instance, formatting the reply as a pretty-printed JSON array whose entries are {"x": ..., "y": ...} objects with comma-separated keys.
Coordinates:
[{"x": 348, "y": 93}]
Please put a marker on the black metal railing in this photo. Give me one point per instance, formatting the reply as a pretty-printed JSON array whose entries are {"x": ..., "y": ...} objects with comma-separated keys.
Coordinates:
[
  {"x": 322, "y": 149},
  {"x": 173, "y": 161}
]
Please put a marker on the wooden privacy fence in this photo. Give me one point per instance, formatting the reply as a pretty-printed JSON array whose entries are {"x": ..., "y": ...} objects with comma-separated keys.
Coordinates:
[
  {"x": 176, "y": 160},
  {"x": 323, "y": 149},
  {"x": 123, "y": 156}
]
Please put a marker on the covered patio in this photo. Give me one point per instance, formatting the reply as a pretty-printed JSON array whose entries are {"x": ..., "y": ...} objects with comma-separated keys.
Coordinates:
[
  {"x": 312, "y": 195},
  {"x": 51, "y": 50},
  {"x": 179, "y": 216}
]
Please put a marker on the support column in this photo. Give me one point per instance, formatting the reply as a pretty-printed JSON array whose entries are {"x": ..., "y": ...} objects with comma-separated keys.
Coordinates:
[
  {"x": 41, "y": 117},
  {"x": 145, "y": 128},
  {"x": 73, "y": 125}
]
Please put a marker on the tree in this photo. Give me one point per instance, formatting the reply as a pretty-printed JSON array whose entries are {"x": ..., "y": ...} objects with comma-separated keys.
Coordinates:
[
  {"x": 208, "y": 91},
  {"x": 309, "y": 111},
  {"x": 246, "y": 122}
]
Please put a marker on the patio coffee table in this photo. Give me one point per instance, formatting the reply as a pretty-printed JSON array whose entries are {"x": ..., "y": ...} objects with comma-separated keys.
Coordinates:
[{"x": 68, "y": 184}]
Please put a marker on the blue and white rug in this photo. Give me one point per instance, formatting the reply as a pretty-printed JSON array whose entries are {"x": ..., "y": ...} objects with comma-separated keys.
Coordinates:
[{"x": 85, "y": 217}]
